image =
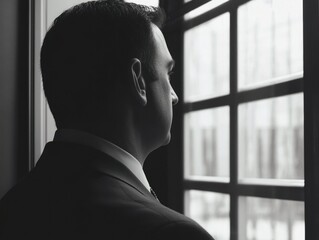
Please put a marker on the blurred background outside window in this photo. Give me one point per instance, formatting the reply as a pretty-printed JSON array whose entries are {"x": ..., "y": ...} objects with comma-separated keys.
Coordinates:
[{"x": 239, "y": 131}]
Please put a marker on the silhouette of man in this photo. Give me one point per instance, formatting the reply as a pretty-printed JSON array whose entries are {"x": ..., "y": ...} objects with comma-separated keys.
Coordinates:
[{"x": 106, "y": 75}]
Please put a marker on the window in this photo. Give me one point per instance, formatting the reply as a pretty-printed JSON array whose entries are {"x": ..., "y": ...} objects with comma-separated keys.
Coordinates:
[
  {"x": 243, "y": 116},
  {"x": 246, "y": 128},
  {"x": 44, "y": 12}
]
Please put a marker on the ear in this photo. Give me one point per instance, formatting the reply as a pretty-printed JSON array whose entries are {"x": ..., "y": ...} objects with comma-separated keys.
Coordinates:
[{"x": 137, "y": 81}]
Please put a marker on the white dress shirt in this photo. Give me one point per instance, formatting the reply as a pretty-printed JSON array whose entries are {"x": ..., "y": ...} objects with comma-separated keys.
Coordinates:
[{"x": 119, "y": 154}]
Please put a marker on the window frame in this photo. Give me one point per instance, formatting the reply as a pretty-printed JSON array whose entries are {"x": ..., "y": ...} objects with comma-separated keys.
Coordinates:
[{"x": 173, "y": 31}]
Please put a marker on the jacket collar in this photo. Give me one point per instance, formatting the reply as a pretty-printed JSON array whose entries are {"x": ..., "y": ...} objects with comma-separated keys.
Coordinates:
[
  {"x": 103, "y": 145},
  {"x": 72, "y": 157}
]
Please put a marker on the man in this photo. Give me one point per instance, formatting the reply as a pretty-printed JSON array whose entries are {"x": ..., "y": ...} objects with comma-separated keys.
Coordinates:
[{"x": 106, "y": 70}]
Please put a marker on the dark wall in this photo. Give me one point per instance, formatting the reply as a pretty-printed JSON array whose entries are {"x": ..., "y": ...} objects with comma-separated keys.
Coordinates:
[{"x": 13, "y": 92}]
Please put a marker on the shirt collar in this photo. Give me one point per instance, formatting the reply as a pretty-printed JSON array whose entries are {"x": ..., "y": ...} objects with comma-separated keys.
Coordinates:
[{"x": 111, "y": 149}]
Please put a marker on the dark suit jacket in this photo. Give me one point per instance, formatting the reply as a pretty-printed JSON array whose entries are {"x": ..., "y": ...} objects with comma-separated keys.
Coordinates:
[{"x": 76, "y": 192}]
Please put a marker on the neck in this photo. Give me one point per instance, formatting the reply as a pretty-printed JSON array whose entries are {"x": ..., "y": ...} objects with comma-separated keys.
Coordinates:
[{"x": 122, "y": 134}]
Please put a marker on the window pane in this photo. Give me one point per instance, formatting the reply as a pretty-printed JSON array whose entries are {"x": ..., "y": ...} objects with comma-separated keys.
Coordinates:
[
  {"x": 270, "y": 42},
  {"x": 145, "y": 2},
  {"x": 271, "y": 138},
  {"x": 202, "y": 9},
  {"x": 210, "y": 210},
  {"x": 55, "y": 7},
  {"x": 206, "y": 60},
  {"x": 206, "y": 143},
  {"x": 268, "y": 219}
]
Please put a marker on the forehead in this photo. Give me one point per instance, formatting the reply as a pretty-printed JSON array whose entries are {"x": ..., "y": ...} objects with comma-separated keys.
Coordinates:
[{"x": 160, "y": 46}]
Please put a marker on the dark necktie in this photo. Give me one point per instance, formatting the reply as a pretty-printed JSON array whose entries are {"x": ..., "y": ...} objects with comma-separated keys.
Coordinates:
[{"x": 154, "y": 194}]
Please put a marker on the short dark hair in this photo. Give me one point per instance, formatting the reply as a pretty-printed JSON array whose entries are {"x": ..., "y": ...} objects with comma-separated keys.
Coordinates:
[{"x": 86, "y": 51}]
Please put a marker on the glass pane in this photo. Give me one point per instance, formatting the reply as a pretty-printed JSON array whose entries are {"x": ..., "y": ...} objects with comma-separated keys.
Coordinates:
[
  {"x": 210, "y": 210},
  {"x": 206, "y": 59},
  {"x": 270, "y": 42},
  {"x": 271, "y": 138},
  {"x": 56, "y": 7},
  {"x": 206, "y": 142},
  {"x": 202, "y": 9},
  {"x": 145, "y": 2},
  {"x": 268, "y": 219}
]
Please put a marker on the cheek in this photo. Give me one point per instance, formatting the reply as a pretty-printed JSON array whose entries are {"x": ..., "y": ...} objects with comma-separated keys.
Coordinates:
[
  {"x": 166, "y": 90},
  {"x": 161, "y": 98},
  {"x": 163, "y": 92}
]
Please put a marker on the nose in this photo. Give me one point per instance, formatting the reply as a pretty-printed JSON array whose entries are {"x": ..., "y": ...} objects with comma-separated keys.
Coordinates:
[{"x": 174, "y": 97}]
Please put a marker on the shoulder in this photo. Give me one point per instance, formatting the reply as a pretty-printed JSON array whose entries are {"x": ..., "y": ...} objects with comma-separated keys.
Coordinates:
[
  {"x": 155, "y": 221},
  {"x": 141, "y": 216},
  {"x": 169, "y": 225},
  {"x": 144, "y": 220},
  {"x": 185, "y": 230}
]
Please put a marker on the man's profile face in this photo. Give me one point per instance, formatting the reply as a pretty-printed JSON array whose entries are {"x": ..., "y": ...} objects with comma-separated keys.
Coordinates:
[{"x": 161, "y": 92}]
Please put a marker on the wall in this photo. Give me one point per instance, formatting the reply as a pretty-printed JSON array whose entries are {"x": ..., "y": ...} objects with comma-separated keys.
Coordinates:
[{"x": 13, "y": 92}]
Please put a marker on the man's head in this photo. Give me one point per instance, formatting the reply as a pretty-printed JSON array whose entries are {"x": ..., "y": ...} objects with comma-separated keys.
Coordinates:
[{"x": 96, "y": 58}]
